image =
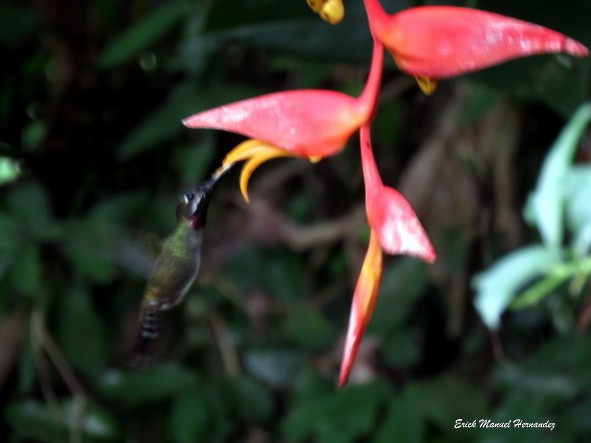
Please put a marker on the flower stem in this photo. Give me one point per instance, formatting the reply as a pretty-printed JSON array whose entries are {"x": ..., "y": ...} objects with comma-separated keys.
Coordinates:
[
  {"x": 371, "y": 175},
  {"x": 375, "y": 14},
  {"x": 370, "y": 93}
]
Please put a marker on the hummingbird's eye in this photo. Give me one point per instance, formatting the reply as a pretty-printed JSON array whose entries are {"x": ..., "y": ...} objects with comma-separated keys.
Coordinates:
[{"x": 189, "y": 196}]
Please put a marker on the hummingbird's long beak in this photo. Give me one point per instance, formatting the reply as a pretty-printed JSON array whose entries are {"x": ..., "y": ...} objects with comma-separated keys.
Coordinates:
[{"x": 217, "y": 174}]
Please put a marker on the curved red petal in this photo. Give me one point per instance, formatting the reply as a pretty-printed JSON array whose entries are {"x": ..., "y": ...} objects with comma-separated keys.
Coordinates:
[
  {"x": 388, "y": 212},
  {"x": 443, "y": 41},
  {"x": 312, "y": 123},
  {"x": 363, "y": 305},
  {"x": 397, "y": 226},
  {"x": 306, "y": 122}
]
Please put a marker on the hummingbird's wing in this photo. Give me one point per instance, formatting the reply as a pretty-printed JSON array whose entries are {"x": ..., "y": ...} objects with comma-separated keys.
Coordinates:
[
  {"x": 102, "y": 242},
  {"x": 133, "y": 255}
]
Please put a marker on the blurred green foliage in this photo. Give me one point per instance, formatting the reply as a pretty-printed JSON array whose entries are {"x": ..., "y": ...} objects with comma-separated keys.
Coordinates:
[
  {"x": 93, "y": 155},
  {"x": 533, "y": 273}
]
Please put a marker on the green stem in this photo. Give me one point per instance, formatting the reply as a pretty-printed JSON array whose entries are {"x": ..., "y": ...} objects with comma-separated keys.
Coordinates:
[{"x": 554, "y": 278}]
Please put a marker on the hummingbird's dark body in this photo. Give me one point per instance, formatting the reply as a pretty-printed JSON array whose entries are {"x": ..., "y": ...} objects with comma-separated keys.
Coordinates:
[{"x": 176, "y": 267}]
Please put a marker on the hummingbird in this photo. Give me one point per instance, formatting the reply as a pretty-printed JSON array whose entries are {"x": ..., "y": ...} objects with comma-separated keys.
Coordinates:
[{"x": 177, "y": 265}]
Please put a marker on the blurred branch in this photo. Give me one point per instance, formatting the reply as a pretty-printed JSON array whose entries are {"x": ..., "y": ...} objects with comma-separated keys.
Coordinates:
[
  {"x": 224, "y": 343},
  {"x": 585, "y": 317},
  {"x": 60, "y": 362},
  {"x": 11, "y": 337},
  {"x": 265, "y": 224}
]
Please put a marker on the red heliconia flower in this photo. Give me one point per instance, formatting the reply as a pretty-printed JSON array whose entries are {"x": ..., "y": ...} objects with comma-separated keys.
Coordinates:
[
  {"x": 303, "y": 123},
  {"x": 395, "y": 229},
  {"x": 433, "y": 42}
]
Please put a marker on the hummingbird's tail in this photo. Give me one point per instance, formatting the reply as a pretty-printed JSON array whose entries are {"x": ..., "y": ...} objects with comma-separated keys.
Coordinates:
[{"x": 149, "y": 328}]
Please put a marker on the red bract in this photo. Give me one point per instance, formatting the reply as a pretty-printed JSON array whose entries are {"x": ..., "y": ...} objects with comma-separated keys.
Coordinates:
[
  {"x": 395, "y": 229},
  {"x": 362, "y": 306},
  {"x": 305, "y": 123},
  {"x": 389, "y": 214},
  {"x": 308, "y": 123},
  {"x": 443, "y": 41}
]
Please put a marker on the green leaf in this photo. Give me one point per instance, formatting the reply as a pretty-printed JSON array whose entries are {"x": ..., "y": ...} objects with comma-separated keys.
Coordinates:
[
  {"x": 196, "y": 51},
  {"x": 9, "y": 170},
  {"x": 535, "y": 79},
  {"x": 546, "y": 203},
  {"x": 163, "y": 124},
  {"x": 33, "y": 135},
  {"x": 142, "y": 35},
  {"x": 219, "y": 424},
  {"x": 16, "y": 23},
  {"x": 193, "y": 161},
  {"x": 81, "y": 333},
  {"x": 283, "y": 276},
  {"x": 402, "y": 283},
  {"x": 537, "y": 384},
  {"x": 30, "y": 209},
  {"x": 477, "y": 105},
  {"x": 229, "y": 14},
  {"x": 9, "y": 240},
  {"x": 404, "y": 419},
  {"x": 447, "y": 398},
  {"x": 89, "y": 244},
  {"x": 309, "y": 385},
  {"x": 151, "y": 385},
  {"x": 26, "y": 270},
  {"x": 245, "y": 268},
  {"x": 248, "y": 399},
  {"x": 497, "y": 286},
  {"x": 120, "y": 207},
  {"x": 308, "y": 329},
  {"x": 552, "y": 383},
  {"x": 277, "y": 367},
  {"x": 401, "y": 348},
  {"x": 309, "y": 40},
  {"x": 27, "y": 375},
  {"x": 290, "y": 28},
  {"x": 578, "y": 207},
  {"x": 342, "y": 416},
  {"x": 189, "y": 415},
  {"x": 38, "y": 421}
]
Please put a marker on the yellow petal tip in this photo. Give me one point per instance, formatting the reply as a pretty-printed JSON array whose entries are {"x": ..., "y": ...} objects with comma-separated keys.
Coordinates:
[
  {"x": 244, "y": 177},
  {"x": 331, "y": 11},
  {"x": 427, "y": 84},
  {"x": 255, "y": 152}
]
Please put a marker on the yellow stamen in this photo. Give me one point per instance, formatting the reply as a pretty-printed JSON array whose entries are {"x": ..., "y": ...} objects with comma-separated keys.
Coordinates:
[
  {"x": 331, "y": 11},
  {"x": 427, "y": 84},
  {"x": 255, "y": 152},
  {"x": 315, "y": 5},
  {"x": 246, "y": 150},
  {"x": 221, "y": 170}
]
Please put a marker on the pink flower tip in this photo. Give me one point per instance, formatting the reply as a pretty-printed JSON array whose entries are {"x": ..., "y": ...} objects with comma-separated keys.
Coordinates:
[
  {"x": 443, "y": 41},
  {"x": 397, "y": 226}
]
